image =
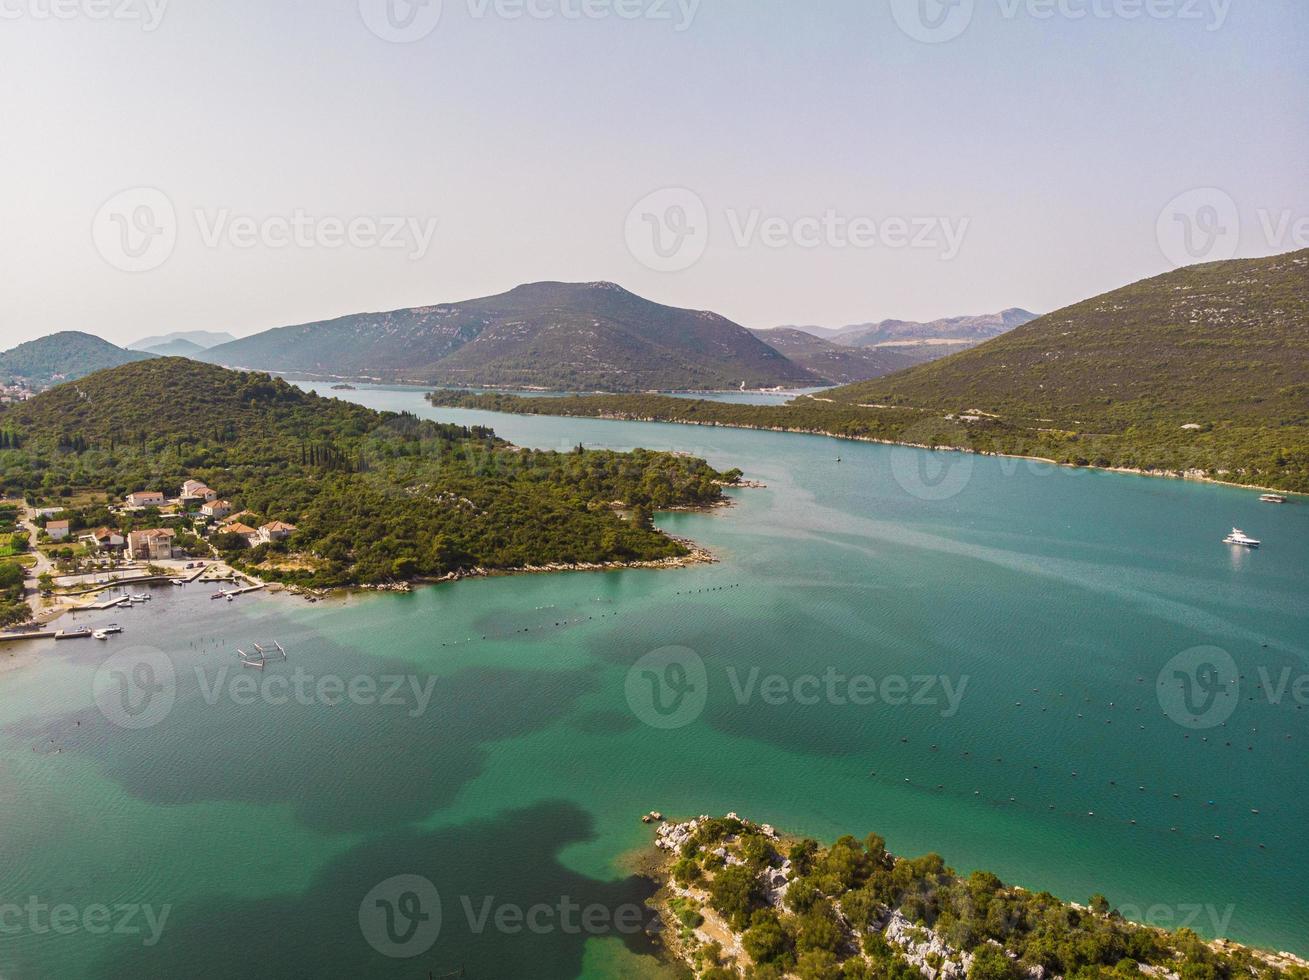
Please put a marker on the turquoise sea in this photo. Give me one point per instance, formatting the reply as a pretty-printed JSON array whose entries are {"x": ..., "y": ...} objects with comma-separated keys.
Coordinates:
[{"x": 1023, "y": 667}]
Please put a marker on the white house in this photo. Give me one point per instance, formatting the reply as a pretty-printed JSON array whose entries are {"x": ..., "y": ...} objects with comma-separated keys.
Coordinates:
[
  {"x": 145, "y": 498},
  {"x": 104, "y": 539},
  {"x": 196, "y": 490},
  {"x": 275, "y": 531},
  {"x": 58, "y": 530},
  {"x": 217, "y": 508}
]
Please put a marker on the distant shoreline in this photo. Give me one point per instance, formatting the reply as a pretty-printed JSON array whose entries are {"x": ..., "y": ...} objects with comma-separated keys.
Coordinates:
[{"x": 1190, "y": 476}]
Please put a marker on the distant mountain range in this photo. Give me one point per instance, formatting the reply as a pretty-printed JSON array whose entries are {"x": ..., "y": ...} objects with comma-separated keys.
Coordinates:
[
  {"x": 837, "y": 364},
  {"x": 554, "y": 335},
  {"x": 180, "y": 342},
  {"x": 949, "y": 333},
  {"x": 175, "y": 348},
  {"x": 64, "y": 356}
]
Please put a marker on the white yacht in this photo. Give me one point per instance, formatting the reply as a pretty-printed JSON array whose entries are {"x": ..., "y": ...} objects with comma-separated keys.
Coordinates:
[
  {"x": 1273, "y": 498},
  {"x": 1239, "y": 537}
]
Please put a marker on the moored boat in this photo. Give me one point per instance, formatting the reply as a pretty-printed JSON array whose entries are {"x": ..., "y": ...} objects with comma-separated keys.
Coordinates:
[
  {"x": 1273, "y": 498},
  {"x": 1239, "y": 537}
]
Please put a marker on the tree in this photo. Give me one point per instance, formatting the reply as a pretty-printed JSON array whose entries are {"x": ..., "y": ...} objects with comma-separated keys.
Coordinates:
[
  {"x": 991, "y": 963},
  {"x": 818, "y": 930},
  {"x": 766, "y": 941},
  {"x": 735, "y": 892},
  {"x": 803, "y": 853},
  {"x": 818, "y": 964},
  {"x": 641, "y": 517}
]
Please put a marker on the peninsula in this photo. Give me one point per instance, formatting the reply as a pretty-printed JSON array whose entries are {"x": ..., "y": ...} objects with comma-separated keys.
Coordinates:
[
  {"x": 169, "y": 458},
  {"x": 740, "y": 899}
]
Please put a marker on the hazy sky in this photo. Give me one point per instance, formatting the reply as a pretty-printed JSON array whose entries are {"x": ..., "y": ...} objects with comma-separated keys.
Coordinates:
[{"x": 795, "y": 162}]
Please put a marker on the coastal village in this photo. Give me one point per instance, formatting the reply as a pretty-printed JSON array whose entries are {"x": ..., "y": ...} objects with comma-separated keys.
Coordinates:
[{"x": 72, "y": 553}]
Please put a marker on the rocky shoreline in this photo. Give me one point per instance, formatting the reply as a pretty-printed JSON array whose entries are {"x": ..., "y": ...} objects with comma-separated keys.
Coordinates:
[{"x": 817, "y": 913}]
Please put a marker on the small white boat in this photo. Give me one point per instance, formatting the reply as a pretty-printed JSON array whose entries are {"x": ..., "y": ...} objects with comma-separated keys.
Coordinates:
[
  {"x": 142, "y": 597},
  {"x": 1239, "y": 537},
  {"x": 1273, "y": 498},
  {"x": 100, "y": 635}
]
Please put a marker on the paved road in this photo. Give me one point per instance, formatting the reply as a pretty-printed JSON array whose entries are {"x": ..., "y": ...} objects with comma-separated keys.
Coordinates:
[{"x": 43, "y": 564}]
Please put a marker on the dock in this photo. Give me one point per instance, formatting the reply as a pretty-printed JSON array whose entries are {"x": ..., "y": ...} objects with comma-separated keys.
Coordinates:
[{"x": 76, "y": 634}]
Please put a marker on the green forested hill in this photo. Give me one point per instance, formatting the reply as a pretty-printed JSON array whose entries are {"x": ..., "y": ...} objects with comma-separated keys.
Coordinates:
[
  {"x": 1199, "y": 372},
  {"x": 375, "y": 496},
  {"x": 62, "y": 356}
]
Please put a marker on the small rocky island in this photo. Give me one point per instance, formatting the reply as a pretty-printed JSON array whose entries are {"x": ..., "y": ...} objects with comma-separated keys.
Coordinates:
[{"x": 738, "y": 899}]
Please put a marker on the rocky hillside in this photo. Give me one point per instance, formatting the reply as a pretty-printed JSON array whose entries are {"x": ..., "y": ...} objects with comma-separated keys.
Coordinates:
[
  {"x": 1206, "y": 345},
  {"x": 740, "y": 899},
  {"x": 953, "y": 329},
  {"x": 550, "y": 335}
]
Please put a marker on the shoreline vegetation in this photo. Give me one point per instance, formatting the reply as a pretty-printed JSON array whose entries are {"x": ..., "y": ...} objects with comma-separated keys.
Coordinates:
[
  {"x": 366, "y": 498},
  {"x": 969, "y": 432},
  {"x": 738, "y": 899}
]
